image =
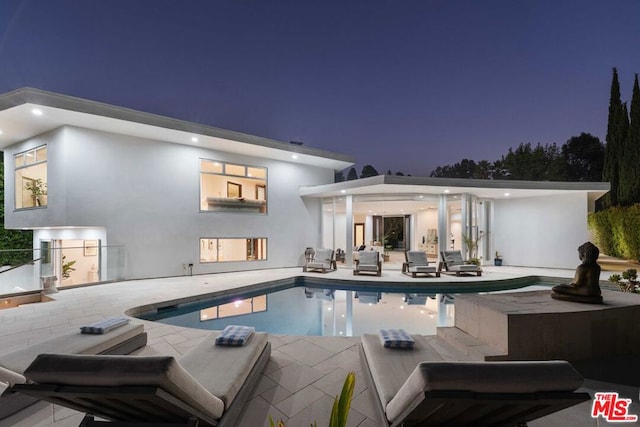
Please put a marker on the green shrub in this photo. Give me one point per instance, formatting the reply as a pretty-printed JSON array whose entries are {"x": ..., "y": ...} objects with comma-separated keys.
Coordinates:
[{"x": 616, "y": 231}]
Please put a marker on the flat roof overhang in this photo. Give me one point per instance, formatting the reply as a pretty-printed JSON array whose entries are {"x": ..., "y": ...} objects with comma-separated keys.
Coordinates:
[
  {"x": 18, "y": 123},
  {"x": 396, "y": 187}
]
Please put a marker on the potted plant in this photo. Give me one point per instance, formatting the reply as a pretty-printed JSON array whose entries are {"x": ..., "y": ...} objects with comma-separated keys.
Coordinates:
[
  {"x": 67, "y": 268},
  {"x": 498, "y": 259},
  {"x": 38, "y": 190}
]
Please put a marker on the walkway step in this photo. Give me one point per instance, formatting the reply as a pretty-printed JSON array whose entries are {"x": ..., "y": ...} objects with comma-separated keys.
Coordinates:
[{"x": 470, "y": 346}]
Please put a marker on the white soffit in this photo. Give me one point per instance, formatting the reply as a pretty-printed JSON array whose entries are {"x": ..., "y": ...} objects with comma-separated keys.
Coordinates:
[
  {"x": 392, "y": 186},
  {"x": 18, "y": 123}
]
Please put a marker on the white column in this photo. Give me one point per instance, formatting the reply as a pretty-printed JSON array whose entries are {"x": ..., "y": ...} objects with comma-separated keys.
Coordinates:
[
  {"x": 349, "y": 231},
  {"x": 443, "y": 236}
]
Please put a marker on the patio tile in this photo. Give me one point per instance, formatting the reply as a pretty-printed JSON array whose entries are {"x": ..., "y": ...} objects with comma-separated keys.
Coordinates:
[
  {"x": 333, "y": 382},
  {"x": 264, "y": 383},
  {"x": 276, "y": 394},
  {"x": 348, "y": 360},
  {"x": 333, "y": 344},
  {"x": 277, "y": 361},
  {"x": 299, "y": 401},
  {"x": 256, "y": 413},
  {"x": 295, "y": 376},
  {"x": 363, "y": 403},
  {"x": 306, "y": 352}
]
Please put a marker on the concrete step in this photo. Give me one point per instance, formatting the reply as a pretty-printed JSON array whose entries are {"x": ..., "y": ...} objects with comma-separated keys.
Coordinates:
[{"x": 473, "y": 348}]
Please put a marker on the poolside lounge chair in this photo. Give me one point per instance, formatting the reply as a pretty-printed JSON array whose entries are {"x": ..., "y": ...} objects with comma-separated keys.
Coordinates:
[
  {"x": 122, "y": 340},
  {"x": 409, "y": 390},
  {"x": 453, "y": 263},
  {"x": 417, "y": 263},
  {"x": 368, "y": 262},
  {"x": 323, "y": 260},
  {"x": 208, "y": 386}
]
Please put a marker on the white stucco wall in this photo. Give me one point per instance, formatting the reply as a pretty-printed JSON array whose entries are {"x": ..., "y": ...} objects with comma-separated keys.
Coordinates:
[
  {"x": 145, "y": 194},
  {"x": 541, "y": 231}
]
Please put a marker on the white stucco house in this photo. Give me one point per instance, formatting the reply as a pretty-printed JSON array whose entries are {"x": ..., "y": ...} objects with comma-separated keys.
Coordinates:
[{"x": 127, "y": 195}]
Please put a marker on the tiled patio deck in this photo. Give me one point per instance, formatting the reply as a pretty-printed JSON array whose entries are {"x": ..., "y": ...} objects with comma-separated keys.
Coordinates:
[{"x": 304, "y": 373}]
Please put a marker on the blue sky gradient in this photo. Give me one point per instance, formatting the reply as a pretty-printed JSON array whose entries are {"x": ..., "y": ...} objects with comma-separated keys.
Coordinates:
[{"x": 404, "y": 85}]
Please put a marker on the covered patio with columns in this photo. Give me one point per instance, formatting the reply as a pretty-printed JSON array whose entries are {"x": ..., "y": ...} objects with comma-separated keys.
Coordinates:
[{"x": 520, "y": 219}]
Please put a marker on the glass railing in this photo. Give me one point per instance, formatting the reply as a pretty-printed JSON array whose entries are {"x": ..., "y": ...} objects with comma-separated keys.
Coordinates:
[{"x": 47, "y": 268}]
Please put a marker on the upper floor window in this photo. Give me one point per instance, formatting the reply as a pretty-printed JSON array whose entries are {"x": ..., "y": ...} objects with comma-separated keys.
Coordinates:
[
  {"x": 229, "y": 187},
  {"x": 31, "y": 178}
]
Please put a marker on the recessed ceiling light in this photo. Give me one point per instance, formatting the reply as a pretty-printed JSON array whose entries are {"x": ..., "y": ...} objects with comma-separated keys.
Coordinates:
[
  {"x": 446, "y": 191},
  {"x": 421, "y": 197},
  {"x": 343, "y": 191},
  {"x": 507, "y": 194},
  {"x": 36, "y": 112},
  {"x": 194, "y": 139},
  {"x": 294, "y": 156}
]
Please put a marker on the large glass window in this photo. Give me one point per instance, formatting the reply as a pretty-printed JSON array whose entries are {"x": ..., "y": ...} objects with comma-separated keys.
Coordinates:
[
  {"x": 31, "y": 178},
  {"x": 221, "y": 250},
  {"x": 228, "y": 187}
]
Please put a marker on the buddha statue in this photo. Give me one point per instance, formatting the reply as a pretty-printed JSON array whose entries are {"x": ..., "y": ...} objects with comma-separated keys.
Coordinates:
[{"x": 586, "y": 283}]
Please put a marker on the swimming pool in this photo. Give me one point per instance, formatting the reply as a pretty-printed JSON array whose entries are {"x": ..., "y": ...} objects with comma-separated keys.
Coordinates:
[{"x": 326, "y": 308}]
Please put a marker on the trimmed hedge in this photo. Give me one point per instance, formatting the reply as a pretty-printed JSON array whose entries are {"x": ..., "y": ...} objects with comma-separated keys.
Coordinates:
[{"x": 617, "y": 231}]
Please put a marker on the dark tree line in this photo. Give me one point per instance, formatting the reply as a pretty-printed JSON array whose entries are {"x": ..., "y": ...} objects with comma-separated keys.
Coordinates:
[{"x": 579, "y": 159}]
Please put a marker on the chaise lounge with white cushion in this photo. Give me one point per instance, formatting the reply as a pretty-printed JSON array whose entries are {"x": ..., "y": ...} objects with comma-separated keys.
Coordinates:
[
  {"x": 412, "y": 388},
  {"x": 208, "y": 386},
  {"x": 417, "y": 263},
  {"x": 121, "y": 340},
  {"x": 453, "y": 263}
]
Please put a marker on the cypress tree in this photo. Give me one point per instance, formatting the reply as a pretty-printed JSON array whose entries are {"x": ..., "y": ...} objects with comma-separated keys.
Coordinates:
[
  {"x": 625, "y": 165},
  {"x": 632, "y": 151},
  {"x": 610, "y": 170}
]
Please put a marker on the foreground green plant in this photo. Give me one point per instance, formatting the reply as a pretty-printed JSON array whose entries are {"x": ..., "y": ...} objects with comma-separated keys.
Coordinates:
[{"x": 341, "y": 405}]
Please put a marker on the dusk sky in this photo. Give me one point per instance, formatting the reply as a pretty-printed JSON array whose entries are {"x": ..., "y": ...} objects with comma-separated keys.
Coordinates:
[{"x": 402, "y": 85}]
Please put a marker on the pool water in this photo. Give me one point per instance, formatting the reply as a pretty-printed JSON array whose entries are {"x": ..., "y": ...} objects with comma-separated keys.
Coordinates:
[{"x": 320, "y": 311}]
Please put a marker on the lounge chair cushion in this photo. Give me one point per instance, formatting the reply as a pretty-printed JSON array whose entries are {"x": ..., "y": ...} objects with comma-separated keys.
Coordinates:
[
  {"x": 453, "y": 258},
  {"x": 422, "y": 269},
  {"x": 396, "y": 338},
  {"x": 235, "y": 335},
  {"x": 222, "y": 370},
  {"x": 455, "y": 263},
  {"x": 390, "y": 367},
  {"x": 70, "y": 343},
  {"x": 159, "y": 371},
  {"x": 105, "y": 325},
  {"x": 484, "y": 377},
  {"x": 368, "y": 259},
  {"x": 417, "y": 258}
]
